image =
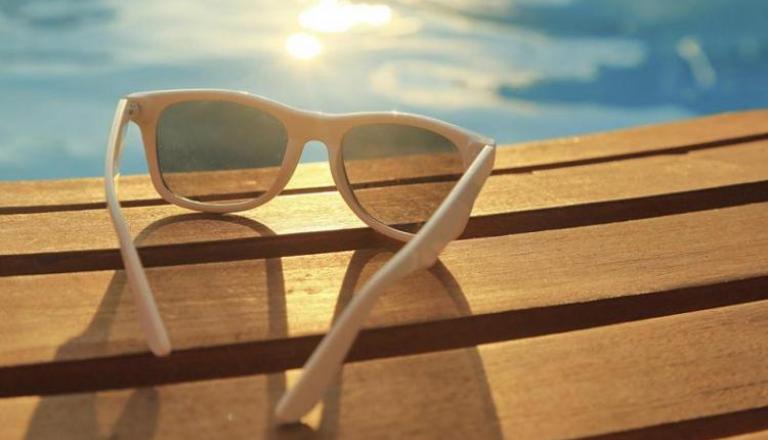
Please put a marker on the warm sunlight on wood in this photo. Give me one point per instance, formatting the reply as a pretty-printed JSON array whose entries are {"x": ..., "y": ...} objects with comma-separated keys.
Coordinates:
[{"x": 303, "y": 46}]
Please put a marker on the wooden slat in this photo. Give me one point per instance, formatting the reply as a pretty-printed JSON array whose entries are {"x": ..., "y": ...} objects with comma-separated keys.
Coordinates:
[
  {"x": 752, "y": 436},
  {"x": 271, "y": 312},
  {"x": 555, "y": 198},
  {"x": 699, "y": 133},
  {"x": 670, "y": 138},
  {"x": 677, "y": 376}
]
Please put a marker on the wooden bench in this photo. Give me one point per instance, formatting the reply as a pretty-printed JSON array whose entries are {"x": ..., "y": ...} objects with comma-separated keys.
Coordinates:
[{"x": 611, "y": 285}]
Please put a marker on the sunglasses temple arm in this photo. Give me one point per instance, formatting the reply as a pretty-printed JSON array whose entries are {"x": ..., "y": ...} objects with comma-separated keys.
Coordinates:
[
  {"x": 149, "y": 316},
  {"x": 445, "y": 225}
]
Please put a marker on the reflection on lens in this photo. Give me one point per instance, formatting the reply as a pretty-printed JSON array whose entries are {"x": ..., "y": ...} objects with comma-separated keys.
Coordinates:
[
  {"x": 218, "y": 151},
  {"x": 398, "y": 173}
]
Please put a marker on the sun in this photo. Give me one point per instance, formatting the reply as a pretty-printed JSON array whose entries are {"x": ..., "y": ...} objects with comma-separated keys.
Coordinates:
[{"x": 303, "y": 46}]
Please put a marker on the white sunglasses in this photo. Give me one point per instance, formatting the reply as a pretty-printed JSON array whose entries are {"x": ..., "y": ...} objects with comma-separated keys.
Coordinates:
[{"x": 226, "y": 151}]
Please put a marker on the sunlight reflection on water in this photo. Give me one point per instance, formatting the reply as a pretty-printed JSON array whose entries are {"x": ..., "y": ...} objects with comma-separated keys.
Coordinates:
[{"x": 512, "y": 70}]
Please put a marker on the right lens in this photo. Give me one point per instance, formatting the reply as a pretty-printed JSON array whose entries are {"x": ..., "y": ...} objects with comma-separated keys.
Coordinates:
[
  {"x": 219, "y": 151},
  {"x": 400, "y": 174}
]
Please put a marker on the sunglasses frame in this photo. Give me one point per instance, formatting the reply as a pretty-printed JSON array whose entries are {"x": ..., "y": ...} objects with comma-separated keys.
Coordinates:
[
  {"x": 301, "y": 126},
  {"x": 421, "y": 250}
]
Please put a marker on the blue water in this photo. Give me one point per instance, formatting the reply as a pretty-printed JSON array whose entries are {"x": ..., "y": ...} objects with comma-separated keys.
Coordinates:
[{"x": 514, "y": 70}]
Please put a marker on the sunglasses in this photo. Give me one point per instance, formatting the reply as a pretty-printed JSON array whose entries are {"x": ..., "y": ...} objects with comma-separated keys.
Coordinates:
[{"x": 226, "y": 151}]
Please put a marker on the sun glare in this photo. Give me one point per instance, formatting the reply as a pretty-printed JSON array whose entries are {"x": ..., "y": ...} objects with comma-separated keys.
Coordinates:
[
  {"x": 303, "y": 46},
  {"x": 334, "y": 16}
]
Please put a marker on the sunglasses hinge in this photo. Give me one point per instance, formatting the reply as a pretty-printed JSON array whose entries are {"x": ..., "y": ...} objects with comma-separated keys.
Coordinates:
[{"x": 133, "y": 109}]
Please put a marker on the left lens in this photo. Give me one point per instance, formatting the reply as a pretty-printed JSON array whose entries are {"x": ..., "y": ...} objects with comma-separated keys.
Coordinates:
[
  {"x": 400, "y": 174},
  {"x": 219, "y": 152}
]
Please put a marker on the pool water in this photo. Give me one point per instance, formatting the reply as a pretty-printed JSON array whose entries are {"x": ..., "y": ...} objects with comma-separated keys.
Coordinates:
[{"x": 513, "y": 70}]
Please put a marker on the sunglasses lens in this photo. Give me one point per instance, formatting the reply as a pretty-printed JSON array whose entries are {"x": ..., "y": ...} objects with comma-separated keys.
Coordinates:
[
  {"x": 400, "y": 174},
  {"x": 219, "y": 152}
]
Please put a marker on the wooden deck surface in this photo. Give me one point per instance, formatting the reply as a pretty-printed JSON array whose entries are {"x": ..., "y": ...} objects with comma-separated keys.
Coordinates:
[{"x": 612, "y": 285}]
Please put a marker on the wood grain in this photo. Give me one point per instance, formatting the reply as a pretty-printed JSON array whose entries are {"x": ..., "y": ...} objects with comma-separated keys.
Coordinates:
[{"x": 664, "y": 373}]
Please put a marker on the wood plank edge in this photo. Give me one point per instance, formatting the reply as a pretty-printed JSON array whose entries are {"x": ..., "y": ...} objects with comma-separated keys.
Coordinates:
[
  {"x": 677, "y": 149},
  {"x": 709, "y": 427}
]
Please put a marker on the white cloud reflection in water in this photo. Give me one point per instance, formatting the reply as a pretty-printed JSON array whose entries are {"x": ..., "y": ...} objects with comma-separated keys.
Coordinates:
[
  {"x": 332, "y": 16},
  {"x": 468, "y": 62}
]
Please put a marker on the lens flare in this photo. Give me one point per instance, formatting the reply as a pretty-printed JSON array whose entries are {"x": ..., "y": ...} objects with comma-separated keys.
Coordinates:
[{"x": 303, "y": 46}]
